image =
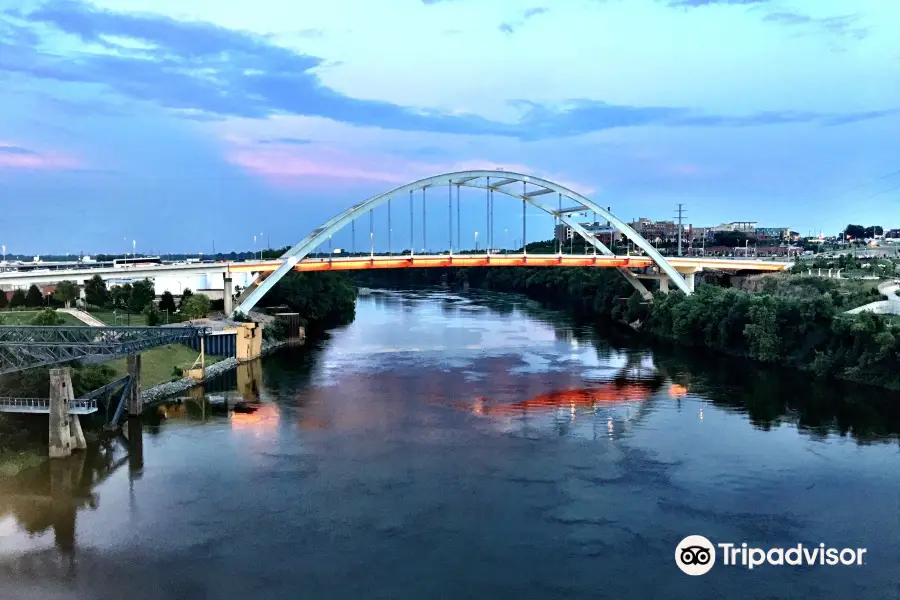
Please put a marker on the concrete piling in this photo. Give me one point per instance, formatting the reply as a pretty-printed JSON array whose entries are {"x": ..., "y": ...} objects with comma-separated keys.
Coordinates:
[
  {"x": 60, "y": 427},
  {"x": 228, "y": 295},
  {"x": 135, "y": 405}
]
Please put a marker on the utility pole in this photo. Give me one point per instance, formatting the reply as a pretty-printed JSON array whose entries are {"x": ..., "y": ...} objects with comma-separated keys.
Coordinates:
[{"x": 680, "y": 228}]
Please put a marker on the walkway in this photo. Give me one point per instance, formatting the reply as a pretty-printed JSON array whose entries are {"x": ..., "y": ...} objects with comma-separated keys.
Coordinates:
[
  {"x": 83, "y": 316},
  {"x": 80, "y": 406},
  {"x": 891, "y": 306}
]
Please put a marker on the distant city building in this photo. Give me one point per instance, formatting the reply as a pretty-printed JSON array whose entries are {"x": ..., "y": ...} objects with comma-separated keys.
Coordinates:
[
  {"x": 748, "y": 227},
  {"x": 892, "y": 234},
  {"x": 773, "y": 234},
  {"x": 606, "y": 233},
  {"x": 653, "y": 231}
]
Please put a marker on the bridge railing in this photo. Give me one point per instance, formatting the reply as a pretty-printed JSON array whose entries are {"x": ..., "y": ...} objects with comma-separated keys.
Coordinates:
[{"x": 42, "y": 405}]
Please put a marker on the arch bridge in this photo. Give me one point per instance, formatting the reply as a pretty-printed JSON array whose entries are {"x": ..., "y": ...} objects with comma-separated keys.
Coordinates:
[{"x": 444, "y": 195}]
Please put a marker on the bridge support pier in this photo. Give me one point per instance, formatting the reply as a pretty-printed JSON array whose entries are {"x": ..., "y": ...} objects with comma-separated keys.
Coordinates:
[
  {"x": 76, "y": 434},
  {"x": 228, "y": 294},
  {"x": 689, "y": 279},
  {"x": 60, "y": 428},
  {"x": 664, "y": 285},
  {"x": 135, "y": 405}
]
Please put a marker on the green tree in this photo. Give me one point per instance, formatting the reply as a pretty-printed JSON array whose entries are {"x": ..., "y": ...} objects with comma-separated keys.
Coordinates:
[
  {"x": 18, "y": 299},
  {"x": 855, "y": 231},
  {"x": 121, "y": 294},
  {"x": 48, "y": 316},
  {"x": 95, "y": 292},
  {"x": 66, "y": 291},
  {"x": 195, "y": 307},
  {"x": 153, "y": 315},
  {"x": 762, "y": 331},
  {"x": 185, "y": 294},
  {"x": 4, "y": 300},
  {"x": 142, "y": 293},
  {"x": 34, "y": 297},
  {"x": 167, "y": 302}
]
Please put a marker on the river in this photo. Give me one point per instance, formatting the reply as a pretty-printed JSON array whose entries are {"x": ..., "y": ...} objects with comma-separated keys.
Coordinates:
[{"x": 469, "y": 446}]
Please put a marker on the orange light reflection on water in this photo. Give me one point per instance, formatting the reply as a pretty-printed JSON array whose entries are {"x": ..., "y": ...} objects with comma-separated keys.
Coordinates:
[{"x": 571, "y": 399}]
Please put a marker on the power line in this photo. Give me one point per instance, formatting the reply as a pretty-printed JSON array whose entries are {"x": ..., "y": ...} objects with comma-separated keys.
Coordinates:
[
  {"x": 870, "y": 182},
  {"x": 896, "y": 187}
]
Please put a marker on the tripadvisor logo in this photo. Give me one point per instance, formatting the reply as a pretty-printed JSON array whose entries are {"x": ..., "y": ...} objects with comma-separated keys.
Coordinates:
[{"x": 696, "y": 555}]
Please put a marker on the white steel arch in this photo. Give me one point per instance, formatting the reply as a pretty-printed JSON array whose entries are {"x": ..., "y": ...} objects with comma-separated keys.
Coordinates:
[{"x": 503, "y": 182}]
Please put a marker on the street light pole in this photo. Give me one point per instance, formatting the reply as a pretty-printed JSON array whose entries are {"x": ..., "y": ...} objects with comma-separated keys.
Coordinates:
[{"x": 476, "y": 241}]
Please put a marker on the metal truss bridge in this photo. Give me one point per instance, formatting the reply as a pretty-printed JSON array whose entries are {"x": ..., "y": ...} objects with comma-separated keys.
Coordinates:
[
  {"x": 442, "y": 192},
  {"x": 26, "y": 347}
]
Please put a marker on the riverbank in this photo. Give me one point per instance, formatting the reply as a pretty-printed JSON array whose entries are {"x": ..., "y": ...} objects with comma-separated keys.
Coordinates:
[
  {"x": 810, "y": 334},
  {"x": 169, "y": 388}
]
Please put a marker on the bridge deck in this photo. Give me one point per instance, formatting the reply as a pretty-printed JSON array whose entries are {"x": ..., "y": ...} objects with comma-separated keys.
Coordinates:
[{"x": 358, "y": 263}]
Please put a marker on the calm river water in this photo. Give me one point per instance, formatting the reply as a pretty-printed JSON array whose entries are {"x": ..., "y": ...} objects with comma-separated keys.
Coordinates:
[{"x": 469, "y": 446}]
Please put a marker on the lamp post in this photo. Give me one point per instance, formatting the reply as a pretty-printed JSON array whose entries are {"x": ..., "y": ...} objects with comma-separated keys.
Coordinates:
[
  {"x": 476, "y": 241},
  {"x": 260, "y": 240}
]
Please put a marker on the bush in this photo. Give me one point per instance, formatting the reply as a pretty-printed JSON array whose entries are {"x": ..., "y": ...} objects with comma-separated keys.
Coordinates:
[
  {"x": 195, "y": 306},
  {"x": 153, "y": 315},
  {"x": 277, "y": 330},
  {"x": 241, "y": 317},
  {"x": 48, "y": 316}
]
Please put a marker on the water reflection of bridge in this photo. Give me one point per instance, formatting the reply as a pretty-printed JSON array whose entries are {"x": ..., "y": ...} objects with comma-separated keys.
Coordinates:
[{"x": 48, "y": 497}]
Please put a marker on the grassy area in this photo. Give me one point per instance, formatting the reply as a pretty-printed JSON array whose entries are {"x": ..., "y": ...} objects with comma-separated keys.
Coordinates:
[
  {"x": 23, "y": 317},
  {"x": 118, "y": 317},
  {"x": 158, "y": 364}
]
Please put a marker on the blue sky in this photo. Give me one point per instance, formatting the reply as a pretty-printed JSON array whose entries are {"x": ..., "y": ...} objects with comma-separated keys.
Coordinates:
[{"x": 179, "y": 123}]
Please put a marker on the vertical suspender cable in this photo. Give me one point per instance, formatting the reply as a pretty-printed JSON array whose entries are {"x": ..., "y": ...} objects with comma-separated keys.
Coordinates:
[
  {"x": 372, "y": 233},
  {"x": 458, "y": 226},
  {"x": 558, "y": 229},
  {"x": 390, "y": 230},
  {"x": 487, "y": 210},
  {"x": 412, "y": 240},
  {"x": 424, "y": 228},
  {"x": 450, "y": 214},
  {"x": 492, "y": 219},
  {"x": 524, "y": 204},
  {"x": 353, "y": 236}
]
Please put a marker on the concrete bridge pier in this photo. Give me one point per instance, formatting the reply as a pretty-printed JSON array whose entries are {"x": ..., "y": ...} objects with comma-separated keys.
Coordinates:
[
  {"x": 60, "y": 428},
  {"x": 65, "y": 429},
  {"x": 135, "y": 405},
  {"x": 689, "y": 278},
  {"x": 228, "y": 292}
]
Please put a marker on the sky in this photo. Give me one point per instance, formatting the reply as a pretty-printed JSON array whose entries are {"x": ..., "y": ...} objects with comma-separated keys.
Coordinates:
[{"x": 193, "y": 125}]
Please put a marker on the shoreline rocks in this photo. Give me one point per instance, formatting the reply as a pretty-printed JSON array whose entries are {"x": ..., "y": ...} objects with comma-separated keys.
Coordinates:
[{"x": 173, "y": 387}]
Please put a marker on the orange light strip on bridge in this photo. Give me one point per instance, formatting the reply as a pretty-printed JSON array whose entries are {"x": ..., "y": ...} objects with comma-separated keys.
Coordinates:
[
  {"x": 383, "y": 262},
  {"x": 456, "y": 261}
]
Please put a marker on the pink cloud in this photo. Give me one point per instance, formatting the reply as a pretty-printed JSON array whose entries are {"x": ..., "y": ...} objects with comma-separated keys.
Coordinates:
[
  {"x": 311, "y": 165},
  {"x": 13, "y": 156}
]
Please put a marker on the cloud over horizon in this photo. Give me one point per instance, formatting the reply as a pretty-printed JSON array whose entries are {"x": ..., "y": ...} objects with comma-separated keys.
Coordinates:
[{"x": 760, "y": 106}]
